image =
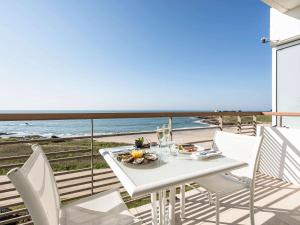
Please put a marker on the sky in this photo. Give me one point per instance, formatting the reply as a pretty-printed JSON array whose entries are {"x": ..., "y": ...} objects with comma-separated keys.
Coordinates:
[{"x": 134, "y": 55}]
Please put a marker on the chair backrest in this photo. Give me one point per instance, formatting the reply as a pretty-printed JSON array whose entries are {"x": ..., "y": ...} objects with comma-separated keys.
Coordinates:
[
  {"x": 36, "y": 184},
  {"x": 239, "y": 147}
]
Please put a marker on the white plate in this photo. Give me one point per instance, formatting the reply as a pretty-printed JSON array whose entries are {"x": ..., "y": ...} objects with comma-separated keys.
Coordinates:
[{"x": 198, "y": 155}]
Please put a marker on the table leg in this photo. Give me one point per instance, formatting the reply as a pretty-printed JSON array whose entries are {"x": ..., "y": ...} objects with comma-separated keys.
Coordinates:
[
  {"x": 172, "y": 196},
  {"x": 164, "y": 205},
  {"x": 154, "y": 208},
  {"x": 161, "y": 212},
  {"x": 182, "y": 200}
]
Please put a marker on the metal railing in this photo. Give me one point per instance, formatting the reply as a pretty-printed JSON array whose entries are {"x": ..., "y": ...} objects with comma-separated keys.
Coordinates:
[{"x": 78, "y": 183}]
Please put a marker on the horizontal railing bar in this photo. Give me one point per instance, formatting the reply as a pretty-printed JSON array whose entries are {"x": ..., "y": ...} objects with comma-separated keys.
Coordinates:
[
  {"x": 69, "y": 158},
  {"x": 247, "y": 125},
  {"x": 15, "y": 204},
  {"x": 48, "y": 154},
  {"x": 27, "y": 223},
  {"x": 8, "y": 166},
  {"x": 88, "y": 188},
  {"x": 15, "y": 219},
  {"x": 70, "y": 185},
  {"x": 247, "y": 132},
  {"x": 64, "y": 187},
  {"x": 75, "y": 191},
  {"x": 107, "y": 184},
  {"x": 5, "y": 182},
  {"x": 74, "y": 185},
  {"x": 73, "y": 178},
  {"x": 76, "y": 197},
  {"x": 42, "y": 140},
  {"x": 67, "y": 152},
  {"x": 7, "y": 190},
  {"x": 51, "y": 161},
  {"x": 84, "y": 176},
  {"x": 12, "y": 212},
  {"x": 75, "y": 116},
  {"x": 60, "y": 173},
  {"x": 281, "y": 113},
  {"x": 57, "y": 174},
  {"x": 14, "y": 157},
  {"x": 86, "y": 182},
  {"x": 9, "y": 197}
]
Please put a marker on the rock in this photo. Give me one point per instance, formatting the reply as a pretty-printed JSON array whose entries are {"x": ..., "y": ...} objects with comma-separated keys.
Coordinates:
[
  {"x": 56, "y": 137},
  {"x": 5, "y": 133}
]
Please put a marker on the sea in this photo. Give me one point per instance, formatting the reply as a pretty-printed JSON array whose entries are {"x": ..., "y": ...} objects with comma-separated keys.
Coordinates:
[{"x": 64, "y": 128}]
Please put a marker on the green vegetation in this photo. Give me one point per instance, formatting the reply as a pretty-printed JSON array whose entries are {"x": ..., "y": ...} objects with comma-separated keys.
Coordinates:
[
  {"x": 232, "y": 120},
  {"x": 64, "y": 148},
  {"x": 264, "y": 119}
]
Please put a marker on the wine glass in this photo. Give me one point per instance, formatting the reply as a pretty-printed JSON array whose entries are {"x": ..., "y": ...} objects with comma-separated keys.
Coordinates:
[
  {"x": 167, "y": 132},
  {"x": 160, "y": 135}
]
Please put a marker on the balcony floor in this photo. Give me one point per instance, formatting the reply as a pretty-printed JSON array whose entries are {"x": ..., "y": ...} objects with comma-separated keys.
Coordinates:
[{"x": 276, "y": 203}]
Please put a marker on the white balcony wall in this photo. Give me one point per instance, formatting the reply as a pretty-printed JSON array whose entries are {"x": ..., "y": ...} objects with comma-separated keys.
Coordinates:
[{"x": 280, "y": 156}]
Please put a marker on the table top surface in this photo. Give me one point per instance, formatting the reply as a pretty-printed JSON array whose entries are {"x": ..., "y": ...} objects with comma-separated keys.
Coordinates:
[{"x": 160, "y": 174}]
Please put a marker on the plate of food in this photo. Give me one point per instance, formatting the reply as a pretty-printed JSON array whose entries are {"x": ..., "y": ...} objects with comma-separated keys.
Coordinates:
[
  {"x": 187, "y": 148},
  {"x": 136, "y": 157}
]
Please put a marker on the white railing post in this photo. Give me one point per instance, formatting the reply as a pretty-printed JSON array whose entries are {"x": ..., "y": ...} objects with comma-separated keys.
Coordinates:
[
  {"x": 280, "y": 121},
  {"x": 171, "y": 127},
  {"x": 92, "y": 156},
  {"x": 221, "y": 122},
  {"x": 254, "y": 122},
  {"x": 239, "y": 124}
]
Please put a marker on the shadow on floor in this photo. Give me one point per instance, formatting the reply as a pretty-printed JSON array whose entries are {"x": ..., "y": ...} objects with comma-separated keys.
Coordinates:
[{"x": 276, "y": 203}]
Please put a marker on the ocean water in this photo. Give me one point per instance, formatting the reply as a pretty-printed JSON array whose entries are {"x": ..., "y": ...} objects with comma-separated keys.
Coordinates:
[{"x": 63, "y": 128}]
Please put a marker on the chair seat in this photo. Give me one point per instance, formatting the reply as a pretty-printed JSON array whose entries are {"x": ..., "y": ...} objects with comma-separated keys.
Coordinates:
[
  {"x": 106, "y": 208},
  {"x": 222, "y": 184}
]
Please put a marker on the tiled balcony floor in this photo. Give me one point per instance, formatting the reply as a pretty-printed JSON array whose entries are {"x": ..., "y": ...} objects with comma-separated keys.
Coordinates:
[{"x": 276, "y": 203}]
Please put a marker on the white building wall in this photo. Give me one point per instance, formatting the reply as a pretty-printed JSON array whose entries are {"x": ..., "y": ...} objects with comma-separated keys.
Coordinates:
[{"x": 285, "y": 32}]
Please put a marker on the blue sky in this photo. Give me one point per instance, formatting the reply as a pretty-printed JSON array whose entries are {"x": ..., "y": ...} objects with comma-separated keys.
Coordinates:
[{"x": 134, "y": 55}]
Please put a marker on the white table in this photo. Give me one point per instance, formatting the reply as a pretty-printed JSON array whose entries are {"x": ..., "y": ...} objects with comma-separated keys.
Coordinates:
[{"x": 161, "y": 176}]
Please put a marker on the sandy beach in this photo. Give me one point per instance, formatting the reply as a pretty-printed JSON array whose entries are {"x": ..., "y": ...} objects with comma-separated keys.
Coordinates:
[{"x": 179, "y": 136}]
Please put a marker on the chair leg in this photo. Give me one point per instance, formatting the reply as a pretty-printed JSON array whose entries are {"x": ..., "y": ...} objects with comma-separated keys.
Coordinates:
[
  {"x": 251, "y": 207},
  {"x": 217, "y": 210},
  {"x": 182, "y": 200}
]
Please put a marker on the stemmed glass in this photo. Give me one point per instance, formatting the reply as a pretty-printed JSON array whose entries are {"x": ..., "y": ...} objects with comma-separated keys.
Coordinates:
[
  {"x": 160, "y": 136},
  {"x": 163, "y": 135}
]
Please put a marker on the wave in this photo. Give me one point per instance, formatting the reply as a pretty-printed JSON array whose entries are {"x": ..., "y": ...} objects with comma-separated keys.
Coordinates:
[{"x": 201, "y": 122}]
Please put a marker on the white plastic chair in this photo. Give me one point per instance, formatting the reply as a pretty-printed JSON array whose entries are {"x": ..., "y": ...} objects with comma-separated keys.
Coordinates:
[
  {"x": 242, "y": 148},
  {"x": 36, "y": 184}
]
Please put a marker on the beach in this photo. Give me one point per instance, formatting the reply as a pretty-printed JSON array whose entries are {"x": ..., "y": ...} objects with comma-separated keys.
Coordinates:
[{"x": 179, "y": 136}]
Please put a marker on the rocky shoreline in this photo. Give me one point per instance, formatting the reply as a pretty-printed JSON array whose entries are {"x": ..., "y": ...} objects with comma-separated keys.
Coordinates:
[{"x": 4, "y": 136}]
